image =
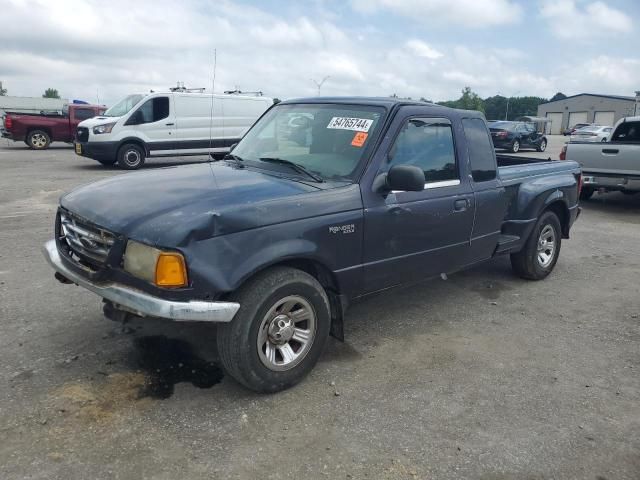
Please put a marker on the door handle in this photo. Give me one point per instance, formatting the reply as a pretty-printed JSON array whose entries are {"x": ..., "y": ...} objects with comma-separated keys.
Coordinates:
[
  {"x": 168, "y": 124},
  {"x": 610, "y": 151},
  {"x": 460, "y": 205}
]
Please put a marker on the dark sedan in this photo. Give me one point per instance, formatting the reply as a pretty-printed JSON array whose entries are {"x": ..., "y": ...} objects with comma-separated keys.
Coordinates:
[{"x": 514, "y": 136}]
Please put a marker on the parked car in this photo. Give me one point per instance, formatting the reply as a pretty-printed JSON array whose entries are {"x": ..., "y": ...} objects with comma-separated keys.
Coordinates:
[
  {"x": 38, "y": 131},
  {"x": 577, "y": 126},
  {"x": 592, "y": 133},
  {"x": 614, "y": 166},
  {"x": 514, "y": 136},
  {"x": 167, "y": 124},
  {"x": 273, "y": 243}
]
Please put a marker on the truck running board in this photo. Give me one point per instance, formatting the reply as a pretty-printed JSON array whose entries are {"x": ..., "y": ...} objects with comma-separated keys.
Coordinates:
[{"x": 505, "y": 242}]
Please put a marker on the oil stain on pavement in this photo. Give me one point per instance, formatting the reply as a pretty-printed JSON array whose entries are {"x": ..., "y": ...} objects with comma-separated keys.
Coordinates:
[{"x": 168, "y": 361}]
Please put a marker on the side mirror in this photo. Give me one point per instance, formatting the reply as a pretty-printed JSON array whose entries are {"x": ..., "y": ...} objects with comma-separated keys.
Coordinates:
[{"x": 405, "y": 178}]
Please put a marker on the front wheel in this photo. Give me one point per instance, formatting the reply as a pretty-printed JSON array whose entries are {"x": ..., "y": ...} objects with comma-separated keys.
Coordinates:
[
  {"x": 130, "y": 156},
  {"x": 543, "y": 146},
  {"x": 515, "y": 146},
  {"x": 540, "y": 254},
  {"x": 38, "y": 139},
  {"x": 279, "y": 331}
]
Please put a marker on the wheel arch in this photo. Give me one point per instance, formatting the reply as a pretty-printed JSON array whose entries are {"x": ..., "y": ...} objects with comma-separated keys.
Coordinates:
[
  {"x": 323, "y": 274},
  {"x": 135, "y": 140},
  {"x": 559, "y": 207},
  {"x": 46, "y": 130}
]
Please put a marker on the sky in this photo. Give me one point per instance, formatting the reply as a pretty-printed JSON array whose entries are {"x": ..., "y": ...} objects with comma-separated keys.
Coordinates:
[{"x": 103, "y": 50}]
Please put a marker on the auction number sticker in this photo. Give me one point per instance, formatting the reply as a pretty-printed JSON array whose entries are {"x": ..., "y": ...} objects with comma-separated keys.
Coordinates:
[{"x": 353, "y": 124}]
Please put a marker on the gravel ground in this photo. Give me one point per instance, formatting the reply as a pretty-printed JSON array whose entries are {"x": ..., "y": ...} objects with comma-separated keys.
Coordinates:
[{"x": 481, "y": 376}]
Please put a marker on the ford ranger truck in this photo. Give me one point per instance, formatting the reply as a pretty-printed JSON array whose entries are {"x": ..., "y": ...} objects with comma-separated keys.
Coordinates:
[{"x": 323, "y": 202}]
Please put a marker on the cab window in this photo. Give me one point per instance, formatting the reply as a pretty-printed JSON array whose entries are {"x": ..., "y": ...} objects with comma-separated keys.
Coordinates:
[
  {"x": 152, "y": 110},
  {"x": 481, "y": 153},
  {"x": 426, "y": 143}
]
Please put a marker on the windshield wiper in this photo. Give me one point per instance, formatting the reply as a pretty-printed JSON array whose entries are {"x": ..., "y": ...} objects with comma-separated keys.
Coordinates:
[
  {"x": 294, "y": 166},
  {"x": 231, "y": 156}
]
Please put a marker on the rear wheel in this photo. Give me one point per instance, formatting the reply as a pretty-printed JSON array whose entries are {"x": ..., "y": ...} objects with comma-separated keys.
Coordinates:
[
  {"x": 540, "y": 254},
  {"x": 543, "y": 146},
  {"x": 515, "y": 146},
  {"x": 279, "y": 331},
  {"x": 38, "y": 139},
  {"x": 130, "y": 156},
  {"x": 586, "y": 193}
]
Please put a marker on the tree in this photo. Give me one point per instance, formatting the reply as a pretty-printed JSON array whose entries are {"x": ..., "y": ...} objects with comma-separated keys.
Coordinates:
[
  {"x": 558, "y": 96},
  {"x": 3, "y": 91},
  {"x": 51, "y": 93},
  {"x": 468, "y": 101}
]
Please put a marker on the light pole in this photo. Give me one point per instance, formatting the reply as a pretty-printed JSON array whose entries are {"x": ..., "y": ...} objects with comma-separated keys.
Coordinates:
[
  {"x": 320, "y": 83},
  {"x": 506, "y": 114}
]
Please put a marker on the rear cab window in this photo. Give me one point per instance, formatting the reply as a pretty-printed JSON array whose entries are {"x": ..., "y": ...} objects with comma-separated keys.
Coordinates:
[
  {"x": 84, "y": 113},
  {"x": 480, "y": 149},
  {"x": 627, "y": 132}
]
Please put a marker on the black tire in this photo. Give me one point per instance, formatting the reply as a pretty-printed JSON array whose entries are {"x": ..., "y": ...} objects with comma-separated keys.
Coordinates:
[
  {"x": 586, "y": 193},
  {"x": 543, "y": 146},
  {"x": 38, "y": 140},
  {"x": 527, "y": 262},
  {"x": 238, "y": 340},
  {"x": 130, "y": 156},
  {"x": 515, "y": 146},
  {"x": 107, "y": 162}
]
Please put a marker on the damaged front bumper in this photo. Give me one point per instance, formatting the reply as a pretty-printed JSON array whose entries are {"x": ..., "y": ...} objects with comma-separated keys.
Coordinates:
[{"x": 141, "y": 303}]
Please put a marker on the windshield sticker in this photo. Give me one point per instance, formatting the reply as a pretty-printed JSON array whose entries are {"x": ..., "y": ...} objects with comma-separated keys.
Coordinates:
[
  {"x": 354, "y": 124},
  {"x": 358, "y": 139}
]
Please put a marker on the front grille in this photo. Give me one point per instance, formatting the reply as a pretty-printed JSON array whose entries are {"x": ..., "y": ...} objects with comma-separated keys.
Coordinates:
[
  {"x": 82, "y": 134},
  {"x": 87, "y": 244}
]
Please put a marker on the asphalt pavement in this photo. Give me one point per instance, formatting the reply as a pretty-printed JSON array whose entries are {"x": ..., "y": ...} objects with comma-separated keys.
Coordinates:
[{"x": 482, "y": 375}]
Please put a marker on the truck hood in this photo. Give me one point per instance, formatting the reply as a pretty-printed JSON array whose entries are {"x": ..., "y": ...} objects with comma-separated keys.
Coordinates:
[
  {"x": 171, "y": 206},
  {"x": 92, "y": 122}
]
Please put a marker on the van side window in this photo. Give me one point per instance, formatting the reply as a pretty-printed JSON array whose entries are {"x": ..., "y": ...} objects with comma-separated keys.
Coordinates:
[
  {"x": 154, "y": 109},
  {"x": 481, "y": 155},
  {"x": 426, "y": 143}
]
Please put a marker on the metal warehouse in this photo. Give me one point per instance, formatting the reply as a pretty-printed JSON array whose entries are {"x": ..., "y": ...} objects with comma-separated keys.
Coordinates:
[{"x": 587, "y": 108}]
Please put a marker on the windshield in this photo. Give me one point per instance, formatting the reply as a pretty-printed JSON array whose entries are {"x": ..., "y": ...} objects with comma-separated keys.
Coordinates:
[
  {"x": 124, "y": 106},
  {"x": 328, "y": 140}
]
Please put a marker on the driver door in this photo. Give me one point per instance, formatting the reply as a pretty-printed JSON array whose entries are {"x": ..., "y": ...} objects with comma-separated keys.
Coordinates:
[{"x": 409, "y": 236}]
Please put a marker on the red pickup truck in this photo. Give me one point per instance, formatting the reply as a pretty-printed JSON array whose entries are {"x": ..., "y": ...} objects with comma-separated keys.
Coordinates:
[{"x": 38, "y": 131}]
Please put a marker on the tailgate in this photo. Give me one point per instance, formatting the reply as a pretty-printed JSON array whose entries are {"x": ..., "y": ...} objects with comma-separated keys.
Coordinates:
[{"x": 609, "y": 158}]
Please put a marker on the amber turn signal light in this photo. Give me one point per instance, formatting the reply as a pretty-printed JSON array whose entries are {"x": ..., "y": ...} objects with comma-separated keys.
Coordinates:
[{"x": 171, "y": 270}]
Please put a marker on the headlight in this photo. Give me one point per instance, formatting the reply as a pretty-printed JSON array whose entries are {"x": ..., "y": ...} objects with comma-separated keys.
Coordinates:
[
  {"x": 164, "y": 269},
  {"x": 104, "y": 128}
]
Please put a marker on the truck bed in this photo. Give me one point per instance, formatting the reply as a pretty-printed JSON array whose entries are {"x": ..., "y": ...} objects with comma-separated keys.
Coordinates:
[{"x": 514, "y": 169}]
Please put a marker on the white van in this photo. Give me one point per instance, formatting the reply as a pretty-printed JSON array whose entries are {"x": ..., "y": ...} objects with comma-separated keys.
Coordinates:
[{"x": 167, "y": 124}]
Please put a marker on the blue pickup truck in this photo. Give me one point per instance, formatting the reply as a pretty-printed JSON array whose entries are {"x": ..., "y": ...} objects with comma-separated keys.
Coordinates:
[{"x": 323, "y": 202}]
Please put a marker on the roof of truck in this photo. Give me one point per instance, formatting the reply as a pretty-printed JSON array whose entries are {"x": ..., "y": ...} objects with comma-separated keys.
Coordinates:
[{"x": 387, "y": 103}]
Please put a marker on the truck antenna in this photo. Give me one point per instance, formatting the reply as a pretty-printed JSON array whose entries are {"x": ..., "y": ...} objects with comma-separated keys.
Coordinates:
[{"x": 213, "y": 87}]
